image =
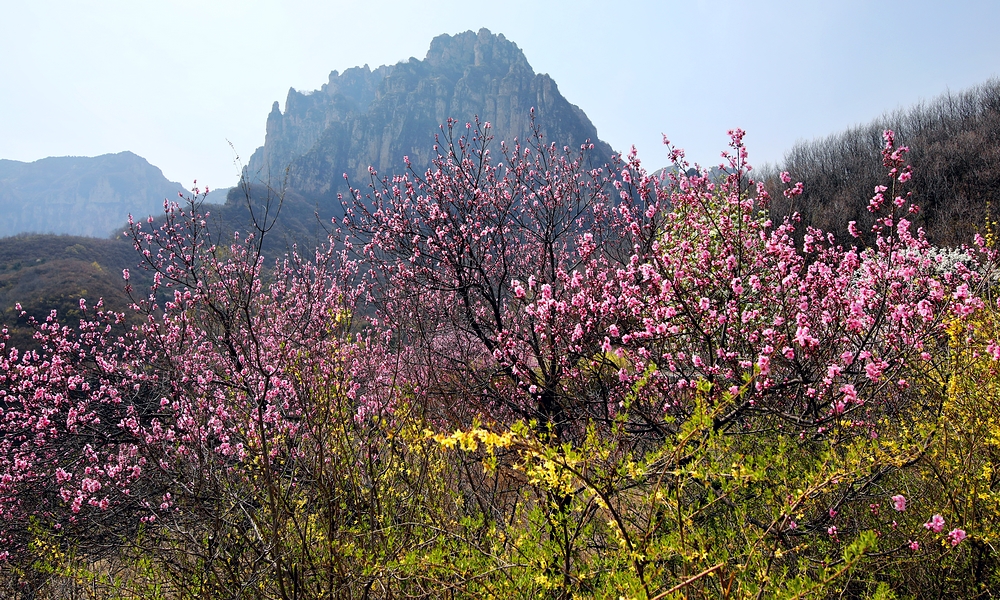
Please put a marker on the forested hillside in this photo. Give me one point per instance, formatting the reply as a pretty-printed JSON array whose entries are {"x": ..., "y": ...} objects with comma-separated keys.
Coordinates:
[
  {"x": 49, "y": 272},
  {"x": 954, "y": 144}
]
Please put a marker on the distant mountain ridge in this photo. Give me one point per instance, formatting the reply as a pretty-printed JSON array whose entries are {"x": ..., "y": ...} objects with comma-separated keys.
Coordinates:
[
  {"x": 89, "y": 196},
  {"x": 365, "y": 117}
]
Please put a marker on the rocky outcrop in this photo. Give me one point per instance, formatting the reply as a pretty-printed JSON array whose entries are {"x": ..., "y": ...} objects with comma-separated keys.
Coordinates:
[
  {"x": 363, "y": 118},
  {"x": 89, "y": 196}
]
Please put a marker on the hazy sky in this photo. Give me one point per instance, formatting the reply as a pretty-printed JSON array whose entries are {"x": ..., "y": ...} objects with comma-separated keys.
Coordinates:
[{"x": 173, "y": 80}]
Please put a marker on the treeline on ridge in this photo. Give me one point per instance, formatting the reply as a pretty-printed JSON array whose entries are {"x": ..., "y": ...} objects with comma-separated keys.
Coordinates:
[{"x": 954, "y": 151}]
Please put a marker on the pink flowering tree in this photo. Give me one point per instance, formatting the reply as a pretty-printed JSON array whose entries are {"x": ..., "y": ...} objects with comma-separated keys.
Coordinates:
[
  {"x": 481, "y": 269},
  {"x": 69, "y": 452},
  {"x": 529, "y": 287},
  {"x": 818, "y": 358},
  {"x": 823, "y": 335},
  {"x": 234, "y": 426},
  {"x": 530, "y": 274}
]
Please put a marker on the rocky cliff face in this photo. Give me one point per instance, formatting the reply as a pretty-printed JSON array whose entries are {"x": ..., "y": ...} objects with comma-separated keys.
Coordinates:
[
  {"x": 364, "y": 117},
  {"x": 80, "y": 195}
]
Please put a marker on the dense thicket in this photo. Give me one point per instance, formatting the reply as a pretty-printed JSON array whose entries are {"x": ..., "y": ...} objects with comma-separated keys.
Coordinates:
[
  {"x": 955, "y": 153},
  {"x": 516, "y": 375}
]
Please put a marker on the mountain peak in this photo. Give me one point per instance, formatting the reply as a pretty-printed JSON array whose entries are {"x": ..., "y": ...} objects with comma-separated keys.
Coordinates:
[
  {"x": 476, "y": 49},
  {"x": 365, "y": 117}
]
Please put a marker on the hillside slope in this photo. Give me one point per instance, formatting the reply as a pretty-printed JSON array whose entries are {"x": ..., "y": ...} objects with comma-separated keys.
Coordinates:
[{"x": 954, "y": 145}]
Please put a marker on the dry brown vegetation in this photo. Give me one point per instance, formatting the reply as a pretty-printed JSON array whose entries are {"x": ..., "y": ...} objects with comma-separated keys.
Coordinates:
[{"x": 955, "y": 153}]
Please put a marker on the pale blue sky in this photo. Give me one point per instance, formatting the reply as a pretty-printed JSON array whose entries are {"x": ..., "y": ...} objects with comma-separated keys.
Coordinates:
[{"x": 172, "y": 80}]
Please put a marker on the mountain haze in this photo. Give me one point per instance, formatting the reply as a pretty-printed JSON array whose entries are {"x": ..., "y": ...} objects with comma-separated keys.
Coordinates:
[
  {"x": 365, "y": 117},
  {"x": 90, "y": 196}
]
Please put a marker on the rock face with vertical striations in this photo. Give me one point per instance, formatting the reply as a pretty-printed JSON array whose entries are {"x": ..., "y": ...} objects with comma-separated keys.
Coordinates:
[{"x": 365, "y": 117}]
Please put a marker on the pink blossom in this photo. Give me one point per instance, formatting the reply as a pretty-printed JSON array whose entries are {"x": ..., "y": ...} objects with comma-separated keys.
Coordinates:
[
  {"x": 874, "y": 370},
  {"x": 899, "y": 502},
  {"x": 955, "y": 536},
  {"x": 764, "y": 364},
  {"x": 936, "y": 524},
  {"x": 850, "y": 394}
]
